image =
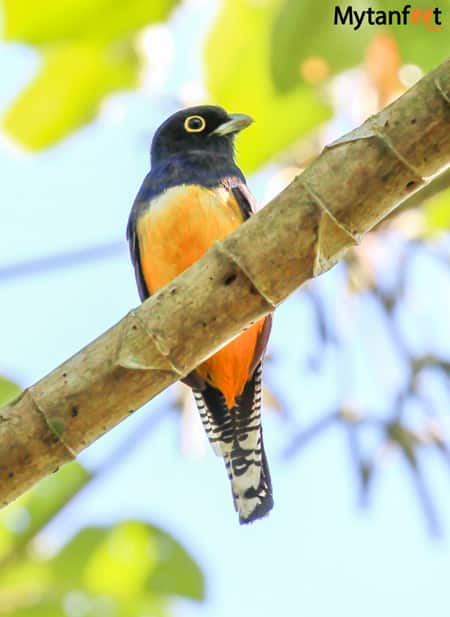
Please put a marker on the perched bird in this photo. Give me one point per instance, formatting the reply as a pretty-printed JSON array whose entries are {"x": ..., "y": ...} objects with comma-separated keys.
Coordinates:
[{"x": 194, "y": 195}]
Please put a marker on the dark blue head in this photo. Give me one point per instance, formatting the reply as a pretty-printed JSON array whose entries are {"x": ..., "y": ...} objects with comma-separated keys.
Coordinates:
[{"x": 203, "y": 127}]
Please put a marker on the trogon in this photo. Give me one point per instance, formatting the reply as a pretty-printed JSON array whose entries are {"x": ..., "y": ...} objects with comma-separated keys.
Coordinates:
[{"x": 194, "y": 195}]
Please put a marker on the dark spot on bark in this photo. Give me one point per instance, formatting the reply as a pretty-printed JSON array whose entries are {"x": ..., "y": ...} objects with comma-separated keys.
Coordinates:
[
  {"x": 385, "y": 177},
  {"x": 413, "y": 121},
  {"x": 173, "y": 291},
  {"x": 229, "y": 279},
  {"x": 134, "y": 327},
  {"x": 411, "y": 184},
  {"x": 11, "y": 474},
  {"x": 64, "y": 374},
  {"x": 386, "y": 124},
  {"x": 204, "y": 324},
  {"x": 208, "y": 375},
  {"x": 55, "y": 470},
  {"x": 74, "y": 412},
  {"x": 132, "y": 411}
]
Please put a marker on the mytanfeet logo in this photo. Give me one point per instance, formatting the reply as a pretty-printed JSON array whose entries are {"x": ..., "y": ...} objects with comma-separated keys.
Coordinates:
[{"x": 430, "y": 18}]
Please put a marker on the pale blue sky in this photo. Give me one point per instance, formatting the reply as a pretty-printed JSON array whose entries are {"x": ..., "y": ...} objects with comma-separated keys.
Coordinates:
[{"x": 317, "y": 554}]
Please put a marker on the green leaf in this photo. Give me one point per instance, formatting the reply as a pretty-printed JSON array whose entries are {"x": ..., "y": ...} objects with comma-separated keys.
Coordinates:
[
  {"x": 25, "y": 577},
  {"x": 87, "y": 53},
  {"x": 50, "y": 21},
  {"x": 239, "y": 77},
  {"x": 30, "y": 513},
  {"x": 417, "y": 44},
  {"x": 176, "y": 572},
  {"x": 120, "y": 564},
  {"x": 66, "y": 92},
  {"x": 127, "y": 560},
  {"x": 42, "y": 609},
  {"x": 76, "y": 603},
  {"x": 8, "y": 391},
  {"x": 405, "y": 439},
  {"x": 303, "y": 29},
  {"x": 144, "y": 605},
  {"x": 70, "y": 563},
  {"x": 437, "y": 212}
]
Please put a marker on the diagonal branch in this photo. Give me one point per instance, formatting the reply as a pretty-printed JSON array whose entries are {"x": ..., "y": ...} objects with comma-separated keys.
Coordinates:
[{"x": 356, "y": 182}]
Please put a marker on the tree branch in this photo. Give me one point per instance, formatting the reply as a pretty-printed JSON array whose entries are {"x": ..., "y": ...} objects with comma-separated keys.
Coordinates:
[{"x": 356, "y": 182}]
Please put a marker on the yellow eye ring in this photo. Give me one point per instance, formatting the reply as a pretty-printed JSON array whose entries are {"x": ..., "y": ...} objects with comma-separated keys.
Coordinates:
[{"x": 194, "y": 124}]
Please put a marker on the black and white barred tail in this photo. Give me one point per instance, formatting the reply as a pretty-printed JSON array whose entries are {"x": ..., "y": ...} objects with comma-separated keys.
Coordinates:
[{"x": 236, "y": 435}]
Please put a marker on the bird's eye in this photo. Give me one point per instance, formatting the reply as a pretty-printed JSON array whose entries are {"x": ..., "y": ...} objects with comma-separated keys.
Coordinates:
[{"x": 194, "y": 124}]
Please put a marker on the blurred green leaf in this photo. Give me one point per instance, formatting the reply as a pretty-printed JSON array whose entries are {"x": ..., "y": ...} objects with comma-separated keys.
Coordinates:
[
  {"x": 24, "y": 578},
  {"x": 47, "y": 21},
  {"x": 50, "y": 21},
  {"x": 77, "y": 603},
  {"x": 130, "y": 569},
  {"x": 69, "y": 564},
  {"x": 405, "y": 439},
  {"x": 144, "y": 605},
  {"x": 175, "y": 572},
  {"x": 8, "y": 390},
  {"x": 120, "y": 564},
  {"x": 43, "y": 609},
  {"x": 239, "y": 77},
  {"x": 304, "y": 29},
  {"x": 417, "y": 44},
  {"x": 67, "y": 90},
  {"x": 127, "y": 560},
  {"x": 31, "y": 512},
  {"x": 87, "y": 53},
  {"x": 437, "y": 212}
]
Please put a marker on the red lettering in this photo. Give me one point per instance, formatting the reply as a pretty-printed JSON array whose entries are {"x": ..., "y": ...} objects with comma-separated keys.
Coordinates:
[
  {"x": 416, "y": 15},
  {"x": 427, "y": 15}
]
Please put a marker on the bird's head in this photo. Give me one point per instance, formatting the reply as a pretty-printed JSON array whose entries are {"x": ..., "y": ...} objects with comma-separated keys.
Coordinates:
[{"x": 204, "y": 127}]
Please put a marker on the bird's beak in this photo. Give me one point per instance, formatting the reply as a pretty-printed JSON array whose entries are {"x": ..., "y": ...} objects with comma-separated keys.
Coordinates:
[{"x": 236, "y": 123}]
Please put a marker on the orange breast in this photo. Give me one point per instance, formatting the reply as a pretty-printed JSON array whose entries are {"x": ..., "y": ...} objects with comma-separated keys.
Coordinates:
[{"x": 176, "y": 231}]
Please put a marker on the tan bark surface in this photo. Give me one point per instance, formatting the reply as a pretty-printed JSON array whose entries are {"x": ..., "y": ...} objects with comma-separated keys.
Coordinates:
[{"x": 357, "y": 181}]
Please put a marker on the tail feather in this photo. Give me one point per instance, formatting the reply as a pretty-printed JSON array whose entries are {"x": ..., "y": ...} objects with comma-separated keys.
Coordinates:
[
  {"x": 216, "y": 418},
  {"x": 236, "y": 435}
]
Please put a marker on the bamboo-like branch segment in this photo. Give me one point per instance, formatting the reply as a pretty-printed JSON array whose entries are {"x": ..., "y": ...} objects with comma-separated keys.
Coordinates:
[{"x": 356, "y": 182}]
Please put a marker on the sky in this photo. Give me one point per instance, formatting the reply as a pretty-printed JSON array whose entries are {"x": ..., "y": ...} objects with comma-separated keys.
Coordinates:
[{"x": 318, "y": 553}]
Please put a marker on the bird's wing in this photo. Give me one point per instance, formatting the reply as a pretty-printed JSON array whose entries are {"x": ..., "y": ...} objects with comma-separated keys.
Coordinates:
[
  {"x": 245, "y": 199},
  {"x": 133, "y": 243},
  {"x": 242, "y": 195}
]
